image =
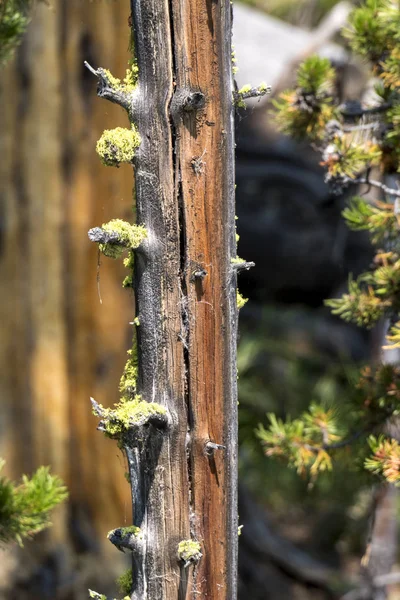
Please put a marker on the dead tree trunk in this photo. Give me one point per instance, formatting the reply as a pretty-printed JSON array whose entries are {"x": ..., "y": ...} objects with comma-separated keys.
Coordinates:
[{"x": 183, "y": 463}]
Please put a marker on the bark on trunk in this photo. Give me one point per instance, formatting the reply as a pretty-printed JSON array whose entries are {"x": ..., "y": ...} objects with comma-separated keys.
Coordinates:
[{"x": 184, "y": 476}]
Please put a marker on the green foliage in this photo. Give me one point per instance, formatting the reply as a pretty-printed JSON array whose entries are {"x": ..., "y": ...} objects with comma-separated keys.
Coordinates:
[
  {"x": 305, "y": 111},
  {"x": 282, "y": 367},
  {"x": 343, "y": 158},
  {"x": 350, "y": 145},
  {"x": 302, "y": 441},
  {"x": 315, "y": 76},
  {"x": 378, "y": 218},
  {"x": 124, "y": 583},
  {"x": 25, "y": 508},
  {"x": 367, "y": 33},
  {"x": 393, "y": 336},
  {"x": 308, "y": 442},
  {"x": 14, "y": 20},
  {"x": 385, "y": 459},
  {"x": 359, "y": 305}
]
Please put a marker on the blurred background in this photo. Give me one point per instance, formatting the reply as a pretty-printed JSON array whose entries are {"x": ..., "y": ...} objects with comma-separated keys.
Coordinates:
[{"x": 60, "y": 345}]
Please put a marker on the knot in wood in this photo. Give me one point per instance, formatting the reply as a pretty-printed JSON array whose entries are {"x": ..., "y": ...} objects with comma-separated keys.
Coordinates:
[
  {"x": 187, "y": 101},
  {"x": 194, "y": 101}
]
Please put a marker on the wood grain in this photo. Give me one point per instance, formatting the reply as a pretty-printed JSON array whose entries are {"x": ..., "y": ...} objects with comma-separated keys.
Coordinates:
[{"x": 187, "y": 333}]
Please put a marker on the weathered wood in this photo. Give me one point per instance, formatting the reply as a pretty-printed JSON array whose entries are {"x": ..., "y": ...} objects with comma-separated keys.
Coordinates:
[
  {"x": 158, "y": 467},
  {"x": 202, "y": 35},
  {"x": 186, "y": 298}
]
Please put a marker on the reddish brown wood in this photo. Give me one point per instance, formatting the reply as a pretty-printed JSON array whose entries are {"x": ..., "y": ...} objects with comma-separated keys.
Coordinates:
[{"x": 204, "y": 141}]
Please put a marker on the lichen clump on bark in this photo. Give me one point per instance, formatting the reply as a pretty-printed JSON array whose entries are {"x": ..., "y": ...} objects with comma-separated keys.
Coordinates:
[
  {"x": 240, "y": 300},
  {"x": 129, "y": 414},
  {"x": 118, "y": 145},
  {"x": 129, "y": 83},
  {"x": 131, "y": 530},
  {"x": 189, "y": 551},
  {"x": 125, "y": 582},
  {"x": 127, "y": 384},
  {"x": 130, "y": 236}
]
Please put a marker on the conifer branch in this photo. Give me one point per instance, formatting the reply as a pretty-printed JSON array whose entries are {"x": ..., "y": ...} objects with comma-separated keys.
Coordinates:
[
  {"x": 355, "y": 110},
  {"x": 371, "y": 182}
]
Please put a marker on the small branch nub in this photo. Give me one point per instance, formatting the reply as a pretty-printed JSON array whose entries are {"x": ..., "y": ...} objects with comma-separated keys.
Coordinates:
[
  {"x": 127, "y": 538},
  {"x": 189, "y": 552},
  {"x": 105, "y": 88},
  {"x": 242, "y": 266},
  {"x": 100, "y": 236},
  {"x": 185, "y": 101},
  {"x": 211, "y": 447}
]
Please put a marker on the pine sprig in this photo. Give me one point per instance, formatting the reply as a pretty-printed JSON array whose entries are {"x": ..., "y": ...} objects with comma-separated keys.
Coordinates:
[
  {"x": 352, "y": 138},
  {"x": 25, "y": 508},
  {"x": 378, "y": 218},
  {"x": 14, "y": 20},
  {"x": 344, "y": 158},
  {"x": 307, "y": 443},
  {"x": 393, "y": 337},
  {"x": 305, "y": 111},
  {"x": 360, "y": 305},
  {"x": 385, "y": 460},
  {"x": 303, "y": 442}
]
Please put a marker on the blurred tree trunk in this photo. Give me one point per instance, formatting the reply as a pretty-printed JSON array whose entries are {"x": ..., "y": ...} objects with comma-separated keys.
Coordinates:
[{"x": 59, "y": 345}]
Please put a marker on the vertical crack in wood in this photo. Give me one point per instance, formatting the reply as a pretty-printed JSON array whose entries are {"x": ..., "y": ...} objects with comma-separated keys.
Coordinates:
[
  {"x": 163, "y": 499},
  {"x": 187, "y": 339},
  {"x": 201, "y": 42},
  {"x": 185, "y": 578}
]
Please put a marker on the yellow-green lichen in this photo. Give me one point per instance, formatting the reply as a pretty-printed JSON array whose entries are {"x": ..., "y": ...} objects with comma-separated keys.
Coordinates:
[
  {"x": 131, "y": 236},
  {"x": 125, "y": 582},
  {"x": 131, "y": 530},
  {"x": 189, "y": 551},
  {"x": 248, "y": 91},
  {"x": 129, "y": 263},
  {"x": 240, "y": 301},
  {"x": 97, "y": 596},
  {"x": 127, "y": 282},
  {"x": 237, "y": 260},
  {"x": 129, "y": 83},
  {"x": 128, "y": 414},
  {"x": 234, "y": 60},
  {"x": 127, "y": 383},
  {"x": 118, "y": 145},
  {"x": 245, "y": 89}
]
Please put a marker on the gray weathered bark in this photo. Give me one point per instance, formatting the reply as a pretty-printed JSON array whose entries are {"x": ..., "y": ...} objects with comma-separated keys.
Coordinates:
[{"x": 184, "y": 475}]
